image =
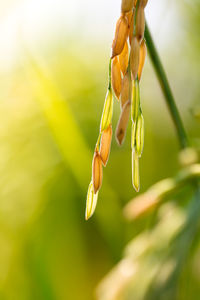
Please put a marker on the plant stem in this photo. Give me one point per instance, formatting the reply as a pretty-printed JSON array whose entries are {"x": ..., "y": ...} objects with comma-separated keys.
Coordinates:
[
  {"x": 109, "y": 75},
  {"x": 166, "y": 89}
]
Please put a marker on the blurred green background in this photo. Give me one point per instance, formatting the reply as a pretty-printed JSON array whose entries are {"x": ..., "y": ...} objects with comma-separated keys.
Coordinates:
[{"x": 53, "y": 78}]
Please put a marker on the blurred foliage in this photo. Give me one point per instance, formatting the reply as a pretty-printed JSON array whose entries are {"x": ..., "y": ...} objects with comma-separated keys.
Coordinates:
[{"x": 50, "y": 108}]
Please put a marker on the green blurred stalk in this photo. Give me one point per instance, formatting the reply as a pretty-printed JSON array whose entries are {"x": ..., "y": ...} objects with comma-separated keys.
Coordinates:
[
  {"x": 75, "y": 150},
  {"x": 160, "y": 72}
]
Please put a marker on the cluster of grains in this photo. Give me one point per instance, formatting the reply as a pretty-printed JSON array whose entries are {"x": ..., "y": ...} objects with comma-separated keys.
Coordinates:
[
  {"x": 101, "y": 153},
  {"x": 125, "y": 70}
]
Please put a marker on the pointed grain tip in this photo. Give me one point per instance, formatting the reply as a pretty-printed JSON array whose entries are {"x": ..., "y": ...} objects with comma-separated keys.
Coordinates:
[
  {"x": 112, "y": 55},
  {"x": 136, "y": 188},
  {"x": 91, "y": 202},
  {"x": 86, "y": 217},
  {"x": 120, "y": 137}
]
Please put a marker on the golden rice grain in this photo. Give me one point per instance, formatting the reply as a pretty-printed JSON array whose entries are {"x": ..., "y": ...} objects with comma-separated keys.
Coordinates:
[
  {"x": 126, "y": 5},
  {"x": 143, "y": 53},
  {"x": 116, "y": 77},
  {"x": 131, "y": 28},
  {"x": 134, "y": 56},
  {"x": 97, "y": 172},
  {"x": 140, "y": 23},
  {"x": 143, "y": 3},
  {"x": 105, "y": 144},
  {"x": 126, "y": 89},
  {"x": 129, "y": 16},
  {"x": 121, "y": 33},
  {"x": 123, "y": 59},
  {"x": 123, "y": 123}
]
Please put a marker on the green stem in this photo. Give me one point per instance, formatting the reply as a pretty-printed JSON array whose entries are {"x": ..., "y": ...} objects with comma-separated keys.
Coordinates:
[
  {"x": 98, "y": 142},
  {"x": 109, "y": 75},
  {"x": 166, "y": 89}
]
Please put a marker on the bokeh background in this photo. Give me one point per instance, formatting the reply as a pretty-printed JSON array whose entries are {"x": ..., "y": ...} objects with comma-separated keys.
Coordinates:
[{"x": 54, "y": 59}]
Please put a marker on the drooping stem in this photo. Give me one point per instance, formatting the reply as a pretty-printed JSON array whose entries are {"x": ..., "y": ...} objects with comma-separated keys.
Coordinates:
[{"x": 166, "y": 89}]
